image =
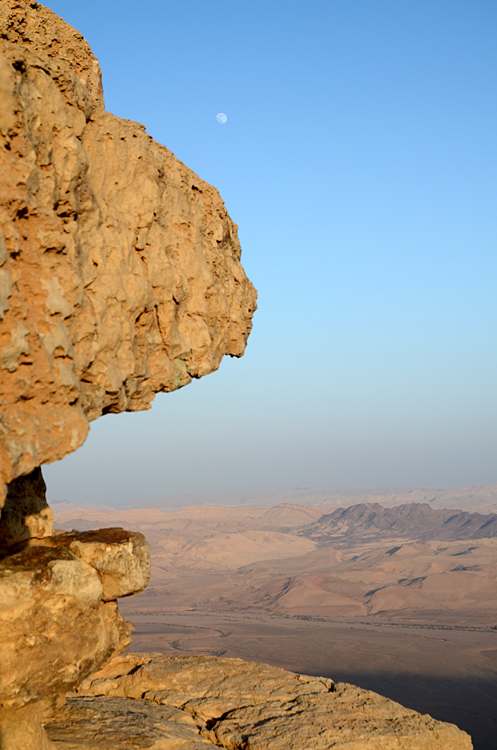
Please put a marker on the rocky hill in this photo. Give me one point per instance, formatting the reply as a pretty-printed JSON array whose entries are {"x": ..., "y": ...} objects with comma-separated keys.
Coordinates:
[{"x": 415, "y": 521}]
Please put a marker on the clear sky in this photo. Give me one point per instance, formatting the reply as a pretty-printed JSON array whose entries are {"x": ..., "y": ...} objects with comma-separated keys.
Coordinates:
[{"x": 359, "y": 161}]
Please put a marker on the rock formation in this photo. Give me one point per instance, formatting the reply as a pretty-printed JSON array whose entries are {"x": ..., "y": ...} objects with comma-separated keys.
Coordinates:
[
  {"x": 194, "y": 702},
  {"x": 59, "y": 620},
  {"x": 120, "y": 277},
  {"x": 120, "y": 268}
]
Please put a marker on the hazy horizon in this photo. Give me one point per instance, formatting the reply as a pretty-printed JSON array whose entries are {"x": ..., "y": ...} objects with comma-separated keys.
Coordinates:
[{"x": 475, "y": 498}]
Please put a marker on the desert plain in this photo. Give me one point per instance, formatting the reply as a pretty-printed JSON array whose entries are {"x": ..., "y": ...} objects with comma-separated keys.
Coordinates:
[{"x": 401, "y": 600}]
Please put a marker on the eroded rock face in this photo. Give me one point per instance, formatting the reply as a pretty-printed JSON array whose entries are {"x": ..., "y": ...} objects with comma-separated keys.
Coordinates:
[
  {"x": 59, "y": 620},
  {"x": 54, "y": 627},
  {"x": 120, "y": 270},
  {"x": 121, "y": 558},
  {"x": 167, "y": 703},
  {"x": 120, "y": 277}
]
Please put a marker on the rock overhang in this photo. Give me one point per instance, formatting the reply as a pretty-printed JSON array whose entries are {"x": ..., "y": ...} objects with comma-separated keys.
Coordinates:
[{"x": 120, "y": 271}]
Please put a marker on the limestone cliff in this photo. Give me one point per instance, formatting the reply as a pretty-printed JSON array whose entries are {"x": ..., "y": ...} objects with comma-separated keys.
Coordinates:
[
  {"x": 120, "y": 277},
  {"x": 120, "y": 270}
]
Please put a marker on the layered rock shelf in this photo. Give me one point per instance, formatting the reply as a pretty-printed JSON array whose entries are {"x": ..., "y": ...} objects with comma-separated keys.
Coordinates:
[
  {"x": 194, "y": 702},
  {"x": 120, "y": 277},
  {"x": 59, "y": 620}
]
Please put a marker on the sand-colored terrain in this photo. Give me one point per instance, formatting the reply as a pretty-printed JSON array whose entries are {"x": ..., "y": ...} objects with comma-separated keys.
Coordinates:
[
  {"x": 194, "y": 702},
  {"x": 121, "y": 278},
  {"x": 447, "y": 672},
  {"x": 286, "y": 560},
  {"x": 365, "y": 596}
]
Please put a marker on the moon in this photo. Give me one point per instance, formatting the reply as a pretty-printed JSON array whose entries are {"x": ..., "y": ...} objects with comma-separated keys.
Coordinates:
[{"x": 221, "y": 118}]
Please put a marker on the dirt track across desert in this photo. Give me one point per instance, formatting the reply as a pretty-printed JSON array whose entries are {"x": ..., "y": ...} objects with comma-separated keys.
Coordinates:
[
  {"x": 401, "y": 600},
  {"x": 448, "y": 672}
]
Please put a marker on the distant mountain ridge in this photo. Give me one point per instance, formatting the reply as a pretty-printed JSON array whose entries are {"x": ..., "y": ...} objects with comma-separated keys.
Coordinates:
[
  {"x": 418, "y": 521},
  {"x": 480, "y": 498},
  {"x": 355, "y": 524}
]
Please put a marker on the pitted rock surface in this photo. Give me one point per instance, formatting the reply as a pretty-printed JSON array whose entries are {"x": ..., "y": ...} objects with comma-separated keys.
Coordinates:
[
  {"x": 120, "y": 270},
  {"x": 120, "y": 277},
  {"x": 58, "y": 617},
  {"x": 166, "y": 703},
  {"x": 121, "y": 558}
]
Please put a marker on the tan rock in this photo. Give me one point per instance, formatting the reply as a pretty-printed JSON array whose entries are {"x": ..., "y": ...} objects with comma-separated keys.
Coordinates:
[
  {"x": 234, "y": 704},
  {"x": 124, "y": 724},
  {"x": 57, "y": 620},
  {"x": 121, "y": 558},
  {"x": 54, "y": 627},
  {"x": 22, "y": 728},
  {"x": 120, "y": 270},
  {"x": 120, "y": 277}
]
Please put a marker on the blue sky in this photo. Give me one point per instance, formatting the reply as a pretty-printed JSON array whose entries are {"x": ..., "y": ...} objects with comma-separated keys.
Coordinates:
[{"x": 359, "y": 161}]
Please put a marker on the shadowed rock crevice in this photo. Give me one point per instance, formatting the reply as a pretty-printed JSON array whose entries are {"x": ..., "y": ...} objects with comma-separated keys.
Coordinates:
[{"x": 26, "y": 513}]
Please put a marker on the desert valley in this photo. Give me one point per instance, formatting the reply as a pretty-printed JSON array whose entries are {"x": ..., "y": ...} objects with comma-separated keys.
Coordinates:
[{"x": 401, "y": 600}]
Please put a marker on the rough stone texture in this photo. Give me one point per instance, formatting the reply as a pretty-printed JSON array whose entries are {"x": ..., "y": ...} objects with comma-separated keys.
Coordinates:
[
  {"x": 124, "y": 724},
  {"x": 120, "y": 277},
  {"x": 57, "y": 623},
  {"x": 120, "y": 270},
  {"x": 154, "y": 701},
  {"x": 121, "y": 558}
]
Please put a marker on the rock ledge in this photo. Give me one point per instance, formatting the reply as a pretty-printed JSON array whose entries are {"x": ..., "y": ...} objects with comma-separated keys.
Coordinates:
[{"x": 194, "y": 702}]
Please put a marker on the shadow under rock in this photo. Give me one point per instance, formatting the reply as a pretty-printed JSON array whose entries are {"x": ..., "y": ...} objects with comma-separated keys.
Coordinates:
[{"x": 470, "y": 704}]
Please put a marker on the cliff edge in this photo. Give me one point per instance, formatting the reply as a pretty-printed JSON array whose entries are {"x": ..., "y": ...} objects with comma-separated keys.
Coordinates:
[
  {"x": 120, "y": 271},
  {"x": 120, "y": 277},
  {"x": 194, "y": 702}
]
